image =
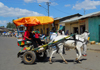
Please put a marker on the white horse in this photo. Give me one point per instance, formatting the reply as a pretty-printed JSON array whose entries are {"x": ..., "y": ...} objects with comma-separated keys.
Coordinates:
[{"x": 70, "y": 43}]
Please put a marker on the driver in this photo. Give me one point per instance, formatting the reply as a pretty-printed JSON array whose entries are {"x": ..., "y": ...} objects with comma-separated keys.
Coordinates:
[{"x": 28, "y": 36}]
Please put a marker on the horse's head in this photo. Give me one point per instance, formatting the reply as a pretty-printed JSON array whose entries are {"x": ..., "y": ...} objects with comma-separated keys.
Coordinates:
[{"x": 85, "y": 35}]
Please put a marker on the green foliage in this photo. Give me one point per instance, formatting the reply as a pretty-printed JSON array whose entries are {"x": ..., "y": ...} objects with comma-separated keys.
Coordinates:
[
  {"x": 2, "y": 26},
  {"x": 11, "y": 25}
]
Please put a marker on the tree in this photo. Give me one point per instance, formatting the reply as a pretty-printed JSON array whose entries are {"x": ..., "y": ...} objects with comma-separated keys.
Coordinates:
[
  {"x": 10, "y": 25},
  {"x": 2, "y": 26}
]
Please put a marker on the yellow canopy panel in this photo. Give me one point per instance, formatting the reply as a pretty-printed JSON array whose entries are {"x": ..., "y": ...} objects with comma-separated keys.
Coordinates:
[{"x": 33, "y": 20}]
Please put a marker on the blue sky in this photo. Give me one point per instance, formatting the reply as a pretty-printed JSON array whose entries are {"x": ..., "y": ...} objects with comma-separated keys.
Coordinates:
[{"x": 13, "y": 9}]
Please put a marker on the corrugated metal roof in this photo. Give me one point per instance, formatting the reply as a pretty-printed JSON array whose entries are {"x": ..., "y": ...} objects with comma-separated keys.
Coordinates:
[
  {"x": 59, "y": 18},
  {"x": 81, "y": 17}
]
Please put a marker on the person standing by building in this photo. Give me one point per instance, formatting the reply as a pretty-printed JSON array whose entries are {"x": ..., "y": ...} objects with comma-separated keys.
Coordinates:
[
  {"x": 67, "y": 32},
  {"x": 53, "y": 35},
  {"x": 85, "y": 45}
]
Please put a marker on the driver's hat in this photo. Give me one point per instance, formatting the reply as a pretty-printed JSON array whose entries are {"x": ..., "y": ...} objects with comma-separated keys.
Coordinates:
[{"x": 86, "y": 30}]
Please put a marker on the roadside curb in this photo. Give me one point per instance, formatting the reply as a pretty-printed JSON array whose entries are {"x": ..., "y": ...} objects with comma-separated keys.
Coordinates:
[{"x": 94, "y": 47}]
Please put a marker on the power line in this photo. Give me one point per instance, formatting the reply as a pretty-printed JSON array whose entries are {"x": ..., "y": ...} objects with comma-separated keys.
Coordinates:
[{"x": 60, "y": 10}]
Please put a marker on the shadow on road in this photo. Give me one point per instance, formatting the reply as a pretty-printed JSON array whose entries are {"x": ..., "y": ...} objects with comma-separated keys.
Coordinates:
[
  {"x": 83, "y": 59},
  {"x": 53, "y": 60},
  {"x": 61, "y": 61},
  {"x": 27, "y": 64}
]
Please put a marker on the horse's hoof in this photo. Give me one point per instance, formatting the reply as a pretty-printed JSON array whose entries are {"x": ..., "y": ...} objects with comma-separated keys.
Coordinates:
[
  {"x": 66, "y": 62},
  {"x": 79, "y": 62},
  {"x": 76, "y": 59},
  {"x": 50, "y": 62}
]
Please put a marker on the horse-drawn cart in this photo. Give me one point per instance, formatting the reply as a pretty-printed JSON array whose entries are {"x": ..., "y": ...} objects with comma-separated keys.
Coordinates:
[{"x": 29, "y": 54}]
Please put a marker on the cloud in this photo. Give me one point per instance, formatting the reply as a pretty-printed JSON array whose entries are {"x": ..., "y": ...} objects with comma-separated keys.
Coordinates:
[
  {"x": 39, "y": 1},
  {"x": 3, "y": 23},
  {"x": 54, "y": 4},
  {"x": 67, "y": 5},
  {"x": 29, "y": 1},
  {"x": 16, "y": 12},
  {"x": 87, "y": 4}
]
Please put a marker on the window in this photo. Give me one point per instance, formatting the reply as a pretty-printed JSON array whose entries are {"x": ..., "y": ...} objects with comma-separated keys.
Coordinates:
[{"x": 75, "y": 30}]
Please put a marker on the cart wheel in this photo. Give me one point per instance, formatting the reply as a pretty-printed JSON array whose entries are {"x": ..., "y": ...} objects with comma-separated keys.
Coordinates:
[
  {"x": 29, "y": 57},
  {"x": 41, "y": 56}
]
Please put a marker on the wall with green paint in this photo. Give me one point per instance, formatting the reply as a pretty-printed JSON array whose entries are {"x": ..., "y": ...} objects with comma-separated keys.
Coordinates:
[{"x": 94, "y": 28}]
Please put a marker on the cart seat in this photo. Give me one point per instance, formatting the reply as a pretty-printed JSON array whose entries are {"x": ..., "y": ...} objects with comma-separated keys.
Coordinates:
[{"x": 22, "y": 43}]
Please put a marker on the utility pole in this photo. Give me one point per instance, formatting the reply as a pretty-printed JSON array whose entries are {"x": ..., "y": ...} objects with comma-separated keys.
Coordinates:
[
  {"x": 84, "y": 11},
  {"x": 47, "y": 9},
  {"x": 48, "y": 4}
]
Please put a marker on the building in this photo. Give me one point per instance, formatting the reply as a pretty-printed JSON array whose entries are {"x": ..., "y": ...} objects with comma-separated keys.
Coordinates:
[
  {"x": 57, "y": 21},
  {"x": 43, "y": 28},
  {"x": 55, "y": 25},
  {"x": 2, "y": 29},
  {"x": 90, "y": 22}
]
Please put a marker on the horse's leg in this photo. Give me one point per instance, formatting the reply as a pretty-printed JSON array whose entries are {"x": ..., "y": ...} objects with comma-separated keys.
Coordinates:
[
  {"x": 51, "y": 56},
  {"x": 84, "y": 49},
  {"x": 60, "y": 52},
  {"x": 76, "y": 55},
  {"x": 78, "y": 51}
]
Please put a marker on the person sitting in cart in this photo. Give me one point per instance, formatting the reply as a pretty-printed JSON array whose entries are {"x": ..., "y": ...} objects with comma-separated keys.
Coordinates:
[
  {"x": 33, "y": 35},
  {"x": 37, "y": 38},
  {"x": 28, "y": 36}
]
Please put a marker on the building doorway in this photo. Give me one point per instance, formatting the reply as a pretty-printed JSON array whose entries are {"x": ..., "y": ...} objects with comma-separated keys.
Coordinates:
[
  {"x": 82, "y": 29},
  {"x": 75, "y": 30}
]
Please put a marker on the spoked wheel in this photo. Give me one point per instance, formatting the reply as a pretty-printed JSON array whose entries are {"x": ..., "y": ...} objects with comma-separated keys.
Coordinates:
[
  {"x": 29, "y": 57},
  {"x": 41, "y": 56}
]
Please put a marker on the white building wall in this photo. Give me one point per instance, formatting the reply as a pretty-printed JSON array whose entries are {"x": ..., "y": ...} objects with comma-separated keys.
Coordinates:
[{"x": 70, "y": 26}]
